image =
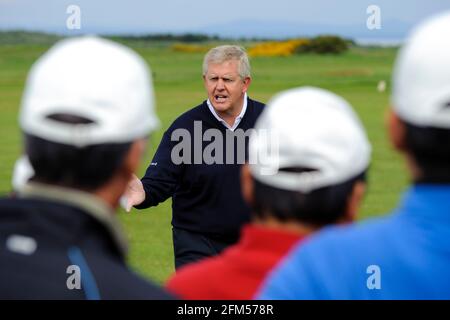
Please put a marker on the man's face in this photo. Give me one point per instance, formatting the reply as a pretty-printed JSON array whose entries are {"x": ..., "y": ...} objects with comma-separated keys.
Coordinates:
[{"x": 225, "y": 87}]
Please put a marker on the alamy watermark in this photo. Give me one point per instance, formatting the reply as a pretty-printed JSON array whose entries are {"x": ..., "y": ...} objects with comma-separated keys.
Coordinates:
[
  {"x": 73, "y": 21},
  {"x": 212, "y": 146},
  {"x": 373, "y": 22},
  {"x": 374, "y": 280},
  {"x": 74, "y": 279}
]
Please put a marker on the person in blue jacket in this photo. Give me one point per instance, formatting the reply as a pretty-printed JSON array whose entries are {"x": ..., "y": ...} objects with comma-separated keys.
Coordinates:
[{"x": 405, "y": 255}]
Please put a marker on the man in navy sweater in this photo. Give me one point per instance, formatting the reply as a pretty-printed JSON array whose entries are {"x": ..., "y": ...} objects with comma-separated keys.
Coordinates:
[{"x": 198, "y": 161}]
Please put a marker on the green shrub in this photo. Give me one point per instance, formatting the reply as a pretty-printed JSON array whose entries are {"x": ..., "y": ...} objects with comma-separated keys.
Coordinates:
[{"x": 324, "y": 44}]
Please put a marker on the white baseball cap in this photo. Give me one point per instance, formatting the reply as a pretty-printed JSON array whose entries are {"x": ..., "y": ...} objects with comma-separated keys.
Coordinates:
[
  {"x": 421, "y": 79},
  {"x": 92, "y": 78},
  {"x": 314, "y": 129}
]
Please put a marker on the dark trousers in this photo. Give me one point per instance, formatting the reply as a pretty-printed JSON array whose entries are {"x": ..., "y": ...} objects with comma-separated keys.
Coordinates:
[{"x": 191, "y": 246}]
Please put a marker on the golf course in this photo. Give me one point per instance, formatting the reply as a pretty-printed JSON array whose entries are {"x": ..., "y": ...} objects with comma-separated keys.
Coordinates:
[{"x": 354, "y": 74}]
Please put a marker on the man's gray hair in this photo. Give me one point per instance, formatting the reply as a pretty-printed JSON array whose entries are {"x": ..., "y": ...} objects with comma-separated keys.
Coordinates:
[{"x": 226, "y": 53}]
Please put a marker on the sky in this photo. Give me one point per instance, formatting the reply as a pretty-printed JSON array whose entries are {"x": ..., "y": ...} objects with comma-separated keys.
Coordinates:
[{"x": 224, "y": 18}]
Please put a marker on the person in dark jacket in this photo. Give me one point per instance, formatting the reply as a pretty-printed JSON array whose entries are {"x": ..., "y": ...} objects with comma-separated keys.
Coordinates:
[
  {"x": 198, "y": 161},
  {"x": 86, "y": 112}
]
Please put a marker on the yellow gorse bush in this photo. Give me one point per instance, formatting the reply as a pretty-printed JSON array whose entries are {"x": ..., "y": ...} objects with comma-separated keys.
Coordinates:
[
  {"x": 190, "y": 48},
  {"x": 276, "y": 48},
  {"x": 264, "y": 49}
]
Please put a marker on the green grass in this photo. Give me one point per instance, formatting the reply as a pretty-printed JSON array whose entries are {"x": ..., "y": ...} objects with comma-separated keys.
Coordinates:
[{"x": 178, "y": 86}]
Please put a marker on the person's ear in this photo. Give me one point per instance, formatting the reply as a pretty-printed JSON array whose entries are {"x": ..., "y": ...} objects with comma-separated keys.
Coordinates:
[
  {"x": 134, "y": 156},
  {"x": 354, "y": 202},
  {"x": 247, "y": 185},
  {"x": 397, "y": 131},
  {"x": 247, "y": 82},
  {"x": 205, "y": 82}
]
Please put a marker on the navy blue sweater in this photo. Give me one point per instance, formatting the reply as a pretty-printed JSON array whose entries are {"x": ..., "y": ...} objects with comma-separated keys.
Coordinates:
[{"x": 206, "y": 198}]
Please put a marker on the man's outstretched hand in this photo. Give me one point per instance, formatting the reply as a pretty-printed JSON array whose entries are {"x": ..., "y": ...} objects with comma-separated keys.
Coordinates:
[{"x": 134, "y": 194}]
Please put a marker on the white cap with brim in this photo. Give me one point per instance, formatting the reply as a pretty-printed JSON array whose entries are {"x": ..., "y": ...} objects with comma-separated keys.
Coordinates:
[
  {"x": 421, "y": 79},
  {"x": 315, "y": 129},
  {"x": 93, "y": 78}
]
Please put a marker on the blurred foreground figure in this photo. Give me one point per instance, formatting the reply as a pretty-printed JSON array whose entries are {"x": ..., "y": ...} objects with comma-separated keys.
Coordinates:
[
  {"x": 407, "y": 254},
  {"x": 309, "y": 174},
  {"x": 86, "y": 113}
]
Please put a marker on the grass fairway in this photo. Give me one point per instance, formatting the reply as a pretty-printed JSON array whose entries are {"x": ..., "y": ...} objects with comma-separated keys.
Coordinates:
[{"x": 178, "y": 86}]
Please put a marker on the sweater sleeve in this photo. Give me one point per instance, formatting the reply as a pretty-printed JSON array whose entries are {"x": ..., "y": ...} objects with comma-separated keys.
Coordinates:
[{"x": 162, "y": 176}]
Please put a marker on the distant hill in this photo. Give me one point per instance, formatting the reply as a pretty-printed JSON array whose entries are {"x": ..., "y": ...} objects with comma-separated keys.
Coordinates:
[
  {"x": 390, "y": 29},
  {"x": 20, "y": 37},
  {"x": 249, "y": 31}
]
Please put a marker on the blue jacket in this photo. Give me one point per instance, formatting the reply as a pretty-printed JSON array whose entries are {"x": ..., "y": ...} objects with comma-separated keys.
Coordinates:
[{"x": 403, "y": 256}]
